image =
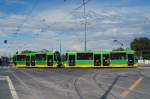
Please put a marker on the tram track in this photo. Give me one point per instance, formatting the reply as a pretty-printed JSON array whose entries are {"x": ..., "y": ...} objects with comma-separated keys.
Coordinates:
[
  {"x": 78, "y": 89},
  {"x": 138, "y": 73},
  {"x": 100, "y": 85},
  {"x": 41, "y": 84},
  {"x": 75, "y": 84},
  {"x": 53, "y": 85},
  {"x": 44, "y": 82},
  {"x": 75, "y": 89}
]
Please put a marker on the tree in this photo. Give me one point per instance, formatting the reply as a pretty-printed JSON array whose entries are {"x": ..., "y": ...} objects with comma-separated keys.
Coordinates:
[{"x": 142, "y": 47}]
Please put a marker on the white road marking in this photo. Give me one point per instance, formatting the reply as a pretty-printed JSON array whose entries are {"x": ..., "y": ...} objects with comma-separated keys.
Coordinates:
[
  {"x": 33, "y": 92},
  {"x": 12, "y": 88}
]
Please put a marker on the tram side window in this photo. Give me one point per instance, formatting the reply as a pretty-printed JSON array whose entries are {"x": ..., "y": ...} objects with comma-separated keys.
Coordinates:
[
  {"x": 21, "y": 57},
  {"x": 84, "y": 56},
  {"x": 41, "y": 57},
  {"x": 118, "y": 56}
]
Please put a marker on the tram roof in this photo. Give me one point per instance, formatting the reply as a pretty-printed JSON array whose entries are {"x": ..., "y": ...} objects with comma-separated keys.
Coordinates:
[
  {"x": 103, "y": 51},
  {"x": 31, "y": 53}
]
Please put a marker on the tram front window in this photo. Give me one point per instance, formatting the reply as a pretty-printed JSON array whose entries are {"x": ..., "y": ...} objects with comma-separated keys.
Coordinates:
[{"x": 57, "y": 56}]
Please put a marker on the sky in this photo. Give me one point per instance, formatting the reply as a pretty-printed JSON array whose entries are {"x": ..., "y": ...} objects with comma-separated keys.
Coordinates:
[{"x": 43, "y": 24}]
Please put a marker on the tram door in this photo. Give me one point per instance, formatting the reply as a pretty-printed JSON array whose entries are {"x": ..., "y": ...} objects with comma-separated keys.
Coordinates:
[
  {"x": 50, "y": 60},
  {"x": 130, "y": 59},
  {"x": 71, "y": 60},
  {"x": 27, "y": 60},
  {"x": 106, "y": 60},
  {"x": 97, "y": 60},
  {"x": 32, "y": 60}
]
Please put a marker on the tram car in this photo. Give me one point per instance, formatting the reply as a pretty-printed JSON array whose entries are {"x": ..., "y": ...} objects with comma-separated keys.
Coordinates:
[
  {"x": 126, "y": 58},
  {"x": 38, "y": 59},
  {"x": 81, "y": 59}
]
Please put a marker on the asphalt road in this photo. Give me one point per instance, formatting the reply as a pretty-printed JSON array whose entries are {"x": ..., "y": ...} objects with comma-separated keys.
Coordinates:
[{"x": 117, "y": 83}]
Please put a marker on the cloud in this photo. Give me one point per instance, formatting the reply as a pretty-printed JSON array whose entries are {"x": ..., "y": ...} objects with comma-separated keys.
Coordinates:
[{"x": 45, "y": 28}]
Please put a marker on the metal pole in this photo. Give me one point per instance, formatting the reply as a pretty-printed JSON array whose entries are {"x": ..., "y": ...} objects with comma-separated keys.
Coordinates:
[
  {"x": 141, "y": 57},
  {"x": 60, "y": 46},
  {"x": 85, "y": 47}
]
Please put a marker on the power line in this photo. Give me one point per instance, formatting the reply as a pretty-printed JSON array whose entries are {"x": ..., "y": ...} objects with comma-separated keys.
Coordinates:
[
  {"x": 26, "y": 19},
  {"x": 85, "y": 20},
  {"x": 121, "y": 44},
  {"x": 84, "y": 3}
]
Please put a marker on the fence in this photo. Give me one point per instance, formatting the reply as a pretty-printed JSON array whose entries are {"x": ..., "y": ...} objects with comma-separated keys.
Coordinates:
[{"x": 144, "y": 61}]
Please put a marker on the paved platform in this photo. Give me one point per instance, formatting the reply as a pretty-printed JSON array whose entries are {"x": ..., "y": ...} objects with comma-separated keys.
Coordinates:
[{"x": 117, "y": 83}]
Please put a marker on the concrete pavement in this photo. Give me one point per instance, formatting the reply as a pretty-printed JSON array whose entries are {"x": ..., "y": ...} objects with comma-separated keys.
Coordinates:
[{"x": 117, "y": 83}]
